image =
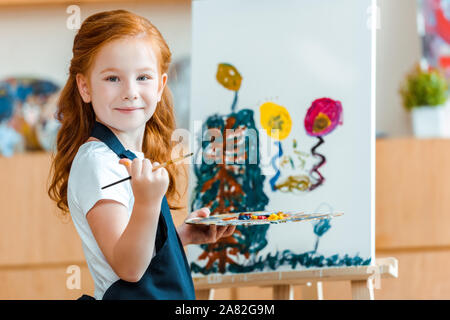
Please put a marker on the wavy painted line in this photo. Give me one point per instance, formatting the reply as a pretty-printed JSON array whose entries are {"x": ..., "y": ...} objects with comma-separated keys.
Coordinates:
[
  {"x": 274, "y": 165},
  {"x": 318, "y": 165}
]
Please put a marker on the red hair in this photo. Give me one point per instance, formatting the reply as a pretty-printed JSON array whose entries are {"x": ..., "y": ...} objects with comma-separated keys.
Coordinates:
[{"x": 77, "y": 117}]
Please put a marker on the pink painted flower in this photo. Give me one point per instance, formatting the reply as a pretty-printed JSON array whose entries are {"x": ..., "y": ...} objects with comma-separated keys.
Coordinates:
[{"x": 323, "y": 116}]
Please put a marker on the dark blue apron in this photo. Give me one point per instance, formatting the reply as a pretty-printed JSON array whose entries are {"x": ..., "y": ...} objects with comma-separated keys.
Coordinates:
[{"x": 168, "y": 276}]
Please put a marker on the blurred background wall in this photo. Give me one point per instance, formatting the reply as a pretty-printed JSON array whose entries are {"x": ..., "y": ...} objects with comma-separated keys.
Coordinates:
[
  {"x": 398, "y": 49},
  {"x": 29, "y": 28}
]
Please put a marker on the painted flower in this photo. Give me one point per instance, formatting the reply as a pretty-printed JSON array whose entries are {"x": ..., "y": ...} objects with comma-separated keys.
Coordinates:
[
  {"x": 228, "y": 76},
  {"x": 323, "y": 116},
  {"x": 275, "y": 117}
]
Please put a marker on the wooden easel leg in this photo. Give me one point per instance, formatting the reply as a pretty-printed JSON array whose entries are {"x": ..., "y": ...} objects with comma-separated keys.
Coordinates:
[
  {"x": 313, "y": 291},
  {"x": 283, "y": 292},
  {"x": 204, "y": 294},
  {"x": 362, "y": 289}
]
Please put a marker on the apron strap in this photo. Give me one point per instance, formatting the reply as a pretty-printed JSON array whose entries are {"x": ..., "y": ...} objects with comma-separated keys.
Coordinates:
[{"x": 103, "y": 133}]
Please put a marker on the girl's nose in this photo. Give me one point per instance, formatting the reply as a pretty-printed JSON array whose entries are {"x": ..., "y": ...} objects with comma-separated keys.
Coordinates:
[
  {"x": 133, "y": 97},
  {"x": 129, "y": 92}
]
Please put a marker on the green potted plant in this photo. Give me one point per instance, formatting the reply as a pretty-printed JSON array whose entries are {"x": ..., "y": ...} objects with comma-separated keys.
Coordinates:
[{"x": 424, "y": 94}]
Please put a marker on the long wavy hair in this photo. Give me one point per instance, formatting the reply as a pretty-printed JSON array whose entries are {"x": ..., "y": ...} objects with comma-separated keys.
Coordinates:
[{"x": 77, "y": 117}]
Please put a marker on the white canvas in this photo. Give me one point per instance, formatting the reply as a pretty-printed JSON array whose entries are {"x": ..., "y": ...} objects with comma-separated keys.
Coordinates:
[{"x": 291, "y": 53}]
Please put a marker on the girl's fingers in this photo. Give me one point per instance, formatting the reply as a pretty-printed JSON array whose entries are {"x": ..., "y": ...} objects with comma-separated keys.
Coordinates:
[
  {"x": 225, "y": 231},
  {"x": 136, "y": 167},
  {"x": 213, "y": 232},
  {"x": 155, "y": 164},
  {"x": 203, "y": 212},
  {"x": 146, "y": 167},
  {"x": 164, "y": 172},
  {"x": 127, "y": 163},
  {"x": 230, "y": 230},
  {"x": 221, "y": 231}
]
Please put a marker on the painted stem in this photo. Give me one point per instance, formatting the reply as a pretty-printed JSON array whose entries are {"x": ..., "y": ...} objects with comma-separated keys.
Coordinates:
[
  {"x": 317, "y": 165},
  {"x": 233, "y": 105},
  {"x": 274, "y": 165},
  {"x": 317, "y": 244}
]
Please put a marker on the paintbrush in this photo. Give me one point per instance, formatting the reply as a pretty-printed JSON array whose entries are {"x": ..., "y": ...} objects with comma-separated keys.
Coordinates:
[{"x": 153, "y": 169}]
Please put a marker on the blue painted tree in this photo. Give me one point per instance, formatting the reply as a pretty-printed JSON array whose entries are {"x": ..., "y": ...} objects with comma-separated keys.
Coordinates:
[{"x": 230, "y": 179}]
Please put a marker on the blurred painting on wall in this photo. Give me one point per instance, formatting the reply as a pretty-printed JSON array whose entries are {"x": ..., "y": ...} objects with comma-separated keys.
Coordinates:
[
  {"x": 433, "y": 22},
  {"x": 27, "y": 109},
  {"x": 179, "y": 84}
]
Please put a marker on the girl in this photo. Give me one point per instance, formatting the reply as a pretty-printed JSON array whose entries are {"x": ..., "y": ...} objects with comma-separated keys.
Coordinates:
[{"x": 114, "y": 108}]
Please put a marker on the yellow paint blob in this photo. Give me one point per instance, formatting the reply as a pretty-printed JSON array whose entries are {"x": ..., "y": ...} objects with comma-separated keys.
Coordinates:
[
  {"x": 275, "y": 119},
  {"x": 228, "y": 76}
]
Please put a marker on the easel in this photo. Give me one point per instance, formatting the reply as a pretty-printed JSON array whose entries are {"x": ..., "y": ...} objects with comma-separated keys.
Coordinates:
[{"x": 360, "y": 277}]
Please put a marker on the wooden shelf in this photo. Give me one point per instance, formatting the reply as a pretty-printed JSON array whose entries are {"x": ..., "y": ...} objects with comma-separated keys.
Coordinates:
[
  {"x": 77, "y": 2},
  {"x": 28, "y": 214},
  {"x": 412, "y": 193},
  {"x": 37, "y": 245}
]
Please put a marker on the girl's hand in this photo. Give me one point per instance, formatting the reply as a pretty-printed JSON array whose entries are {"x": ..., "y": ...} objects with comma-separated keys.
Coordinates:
[
  {"x": 149, "y": 187},
  {"x": 199, "y": 234}
]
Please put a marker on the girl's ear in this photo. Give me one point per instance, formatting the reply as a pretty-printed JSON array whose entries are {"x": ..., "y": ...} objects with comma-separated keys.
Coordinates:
[
  {"x": 162, "y": 85},
  {"x": 83, "y": 88}
]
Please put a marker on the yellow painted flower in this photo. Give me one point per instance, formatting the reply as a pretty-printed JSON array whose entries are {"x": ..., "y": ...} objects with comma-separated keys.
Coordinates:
[
  {"x": 275, "y": 117},
  {"x": 228, "y": 76}
]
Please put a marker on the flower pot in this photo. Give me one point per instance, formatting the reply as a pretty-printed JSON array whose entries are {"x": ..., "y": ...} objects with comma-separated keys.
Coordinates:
[{"x": 431, "y": 121}]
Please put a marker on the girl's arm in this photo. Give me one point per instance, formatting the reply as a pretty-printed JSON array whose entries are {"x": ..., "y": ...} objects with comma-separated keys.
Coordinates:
[{"x": 127, "y": 245}]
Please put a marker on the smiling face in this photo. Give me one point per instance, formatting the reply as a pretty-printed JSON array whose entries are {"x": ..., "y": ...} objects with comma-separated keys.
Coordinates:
[{"x": 124, "y": 84}]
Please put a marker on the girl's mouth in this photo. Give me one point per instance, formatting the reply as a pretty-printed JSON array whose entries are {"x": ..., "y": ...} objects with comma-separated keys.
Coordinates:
[{"x": 128, "y": 110}]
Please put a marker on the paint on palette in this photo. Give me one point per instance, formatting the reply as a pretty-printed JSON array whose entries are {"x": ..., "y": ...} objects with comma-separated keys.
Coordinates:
[{"x": 261, "y": 217}]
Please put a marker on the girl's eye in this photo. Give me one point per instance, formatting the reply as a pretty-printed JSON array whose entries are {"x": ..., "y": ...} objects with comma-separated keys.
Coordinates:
[
  {"x": 115, "y": 79},
  {"x": 144, "y": 77},
  {"x": 112, "y": 78}
]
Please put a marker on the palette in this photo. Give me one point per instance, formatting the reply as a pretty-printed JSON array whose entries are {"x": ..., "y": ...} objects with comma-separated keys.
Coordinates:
[{"x": 260, "y": 217}]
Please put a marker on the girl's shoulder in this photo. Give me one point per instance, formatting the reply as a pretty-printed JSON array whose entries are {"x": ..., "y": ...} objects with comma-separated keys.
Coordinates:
[
  {"x": 93, "y": 151},
  {"x": 96, "y": 151},
  {"x": 96, "y": 146},
  {"x": 96, "y": 164}
]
